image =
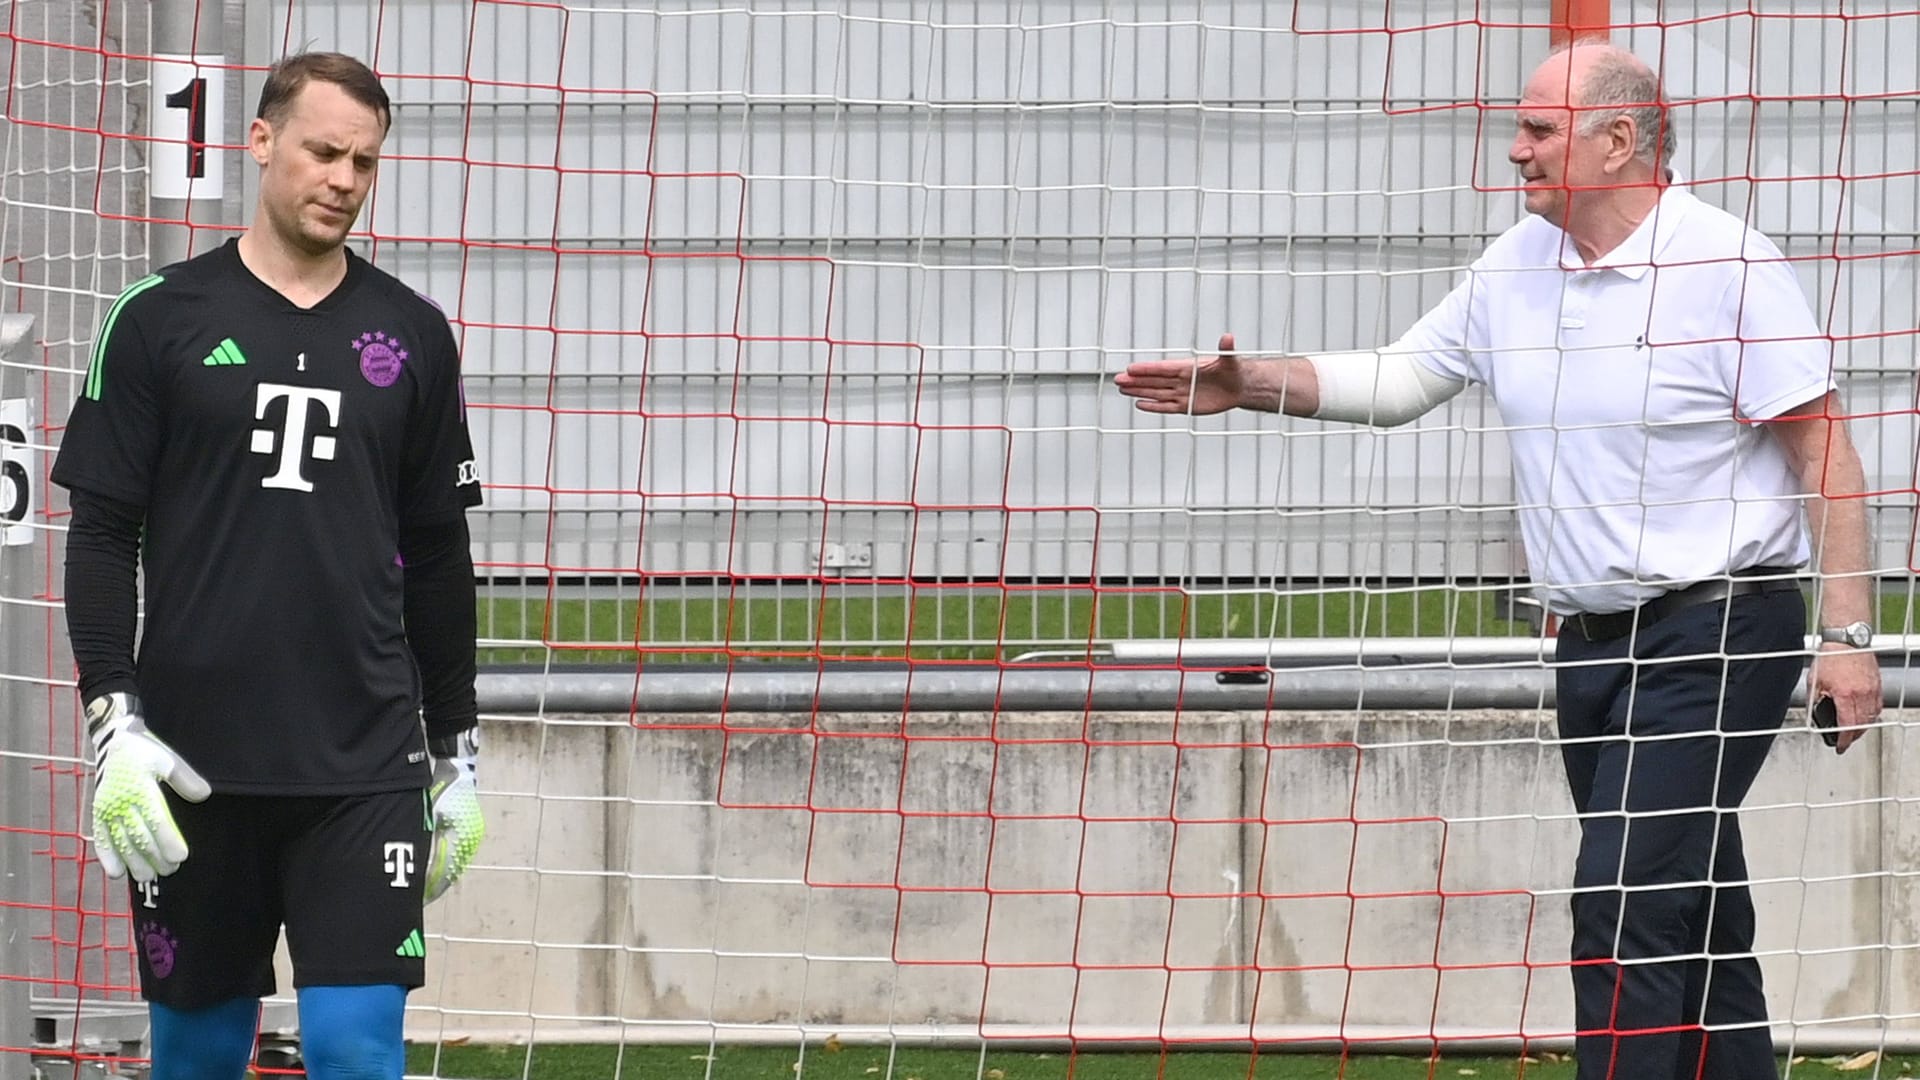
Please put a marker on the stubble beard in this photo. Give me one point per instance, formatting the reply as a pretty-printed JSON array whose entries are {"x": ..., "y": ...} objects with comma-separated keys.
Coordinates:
[{"x": 304, "y": 233}]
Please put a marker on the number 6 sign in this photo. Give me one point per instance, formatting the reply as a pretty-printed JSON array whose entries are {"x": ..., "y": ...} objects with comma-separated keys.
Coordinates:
[
  {"x": 186, "y": 109},
  {"x": 16, "y": 483}
]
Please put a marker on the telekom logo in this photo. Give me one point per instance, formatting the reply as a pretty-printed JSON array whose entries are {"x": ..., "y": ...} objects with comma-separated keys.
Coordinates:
[
  {"x": 291, "y": 436},
  {"x": 399, "y": 862}
]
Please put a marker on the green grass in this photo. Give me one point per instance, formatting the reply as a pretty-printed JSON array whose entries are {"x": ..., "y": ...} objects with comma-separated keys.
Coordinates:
[
  {"x": 931, "y": 622},
  {"x": 576, "y": 1062},
  {"x": 960, "y": 623}
]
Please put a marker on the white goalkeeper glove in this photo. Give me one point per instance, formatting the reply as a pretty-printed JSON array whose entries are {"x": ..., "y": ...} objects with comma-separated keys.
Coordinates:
[
  {"x": 132, "y": 829},
  {"x": 453, "y": 800}
]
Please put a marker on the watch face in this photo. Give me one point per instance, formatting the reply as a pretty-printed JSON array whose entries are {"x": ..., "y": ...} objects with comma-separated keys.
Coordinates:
[{"x": 1857, "y": 635}]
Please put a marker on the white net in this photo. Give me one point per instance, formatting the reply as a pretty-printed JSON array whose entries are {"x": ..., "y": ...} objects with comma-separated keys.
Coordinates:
[{"x": 789, "y": 330}]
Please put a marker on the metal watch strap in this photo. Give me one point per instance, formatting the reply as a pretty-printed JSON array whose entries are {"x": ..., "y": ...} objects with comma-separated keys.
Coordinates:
[{"x": 1857, "y": 635}]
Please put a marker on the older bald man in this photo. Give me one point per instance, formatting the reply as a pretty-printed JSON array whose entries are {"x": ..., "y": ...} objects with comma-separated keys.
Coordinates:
[{"x": 1669, "y": 402}]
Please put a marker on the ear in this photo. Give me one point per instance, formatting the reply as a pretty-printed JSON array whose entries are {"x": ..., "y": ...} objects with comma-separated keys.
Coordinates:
[
  {"x": 1621, "y": 136},
  {"x": 260, "y": 140}
]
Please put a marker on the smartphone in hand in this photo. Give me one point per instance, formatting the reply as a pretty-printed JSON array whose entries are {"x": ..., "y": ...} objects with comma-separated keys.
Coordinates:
[{"x": 1826, "y": 720}]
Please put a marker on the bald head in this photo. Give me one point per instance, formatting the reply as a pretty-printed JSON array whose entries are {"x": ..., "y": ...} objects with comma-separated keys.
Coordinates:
[{"x": 1606, "y": 83}]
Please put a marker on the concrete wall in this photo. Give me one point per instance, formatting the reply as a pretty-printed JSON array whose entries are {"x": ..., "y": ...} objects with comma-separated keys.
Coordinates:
[{"x": 1119, "y": 875}]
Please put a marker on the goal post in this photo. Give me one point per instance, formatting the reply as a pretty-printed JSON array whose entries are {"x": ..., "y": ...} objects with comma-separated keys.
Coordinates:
[
  {"x": 859, "y": 669},
  {"x": 23, "y": 618},
  {"x": 1579, "y": 20},
  {"x": 190, "y": 115}
]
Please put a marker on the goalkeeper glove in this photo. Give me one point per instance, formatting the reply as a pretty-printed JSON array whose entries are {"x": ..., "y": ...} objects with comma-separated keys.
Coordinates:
[
  {"x": 132, "y": 828},
  {"x": 453, "y": 800}
]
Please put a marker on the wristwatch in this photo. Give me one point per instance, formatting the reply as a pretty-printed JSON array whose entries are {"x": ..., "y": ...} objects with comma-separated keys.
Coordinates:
[{"x": 1857, "y": 635}]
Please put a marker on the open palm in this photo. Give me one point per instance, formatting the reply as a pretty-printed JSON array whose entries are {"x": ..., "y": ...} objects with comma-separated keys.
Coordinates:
[{"x": 1195, "y": 385}]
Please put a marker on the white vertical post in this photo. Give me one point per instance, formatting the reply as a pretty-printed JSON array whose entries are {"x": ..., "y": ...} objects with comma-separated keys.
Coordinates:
[
  {"x": 186, "y": 110},
  {"x": 23, "y": 655}
]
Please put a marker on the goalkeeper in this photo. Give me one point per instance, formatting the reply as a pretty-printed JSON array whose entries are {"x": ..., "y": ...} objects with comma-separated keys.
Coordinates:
[
  {"x": 1668, "y": 400},
  {"x": 276, "y": 429}
]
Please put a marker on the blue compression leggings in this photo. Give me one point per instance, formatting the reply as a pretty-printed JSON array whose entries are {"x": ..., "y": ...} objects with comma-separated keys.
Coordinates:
[
  {"x": 346, "y": 1033},
  {"x": 214, "y": 1043}
]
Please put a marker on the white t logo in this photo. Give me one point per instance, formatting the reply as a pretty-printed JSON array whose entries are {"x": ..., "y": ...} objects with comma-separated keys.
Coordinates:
[
  {"x": 399, "y": 862},
  {"x": 149, "y": 891},
  {"x": 293, "y": 431}
]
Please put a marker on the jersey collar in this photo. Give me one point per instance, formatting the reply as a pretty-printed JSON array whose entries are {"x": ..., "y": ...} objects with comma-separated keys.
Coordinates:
[{"x": 356, "y": 268}]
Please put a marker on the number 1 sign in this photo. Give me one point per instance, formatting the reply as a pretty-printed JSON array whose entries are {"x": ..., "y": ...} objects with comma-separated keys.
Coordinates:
[{"x": 187, "y": 110}]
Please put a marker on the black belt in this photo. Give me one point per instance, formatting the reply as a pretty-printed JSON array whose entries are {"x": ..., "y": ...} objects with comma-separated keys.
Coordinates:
[{"x": 1618, "y": 624}]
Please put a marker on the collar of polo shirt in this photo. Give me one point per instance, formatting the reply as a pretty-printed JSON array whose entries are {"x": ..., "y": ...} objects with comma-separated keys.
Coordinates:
[{"x": 1633, "y": 257}]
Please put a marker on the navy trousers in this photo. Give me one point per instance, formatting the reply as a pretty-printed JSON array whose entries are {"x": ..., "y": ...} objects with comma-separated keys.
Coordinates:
[{"x": 1660, "y": 749}]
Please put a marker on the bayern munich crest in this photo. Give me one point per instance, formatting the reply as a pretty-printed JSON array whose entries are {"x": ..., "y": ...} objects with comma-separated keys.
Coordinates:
[
  {"x": 381, "y": 356},
  {"x": 159, "y": 945}
]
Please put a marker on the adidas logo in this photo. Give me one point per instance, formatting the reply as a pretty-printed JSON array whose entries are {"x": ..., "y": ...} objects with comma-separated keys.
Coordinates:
[
  {"x": 224, "y": 354},
  {"x": 414, "y": 948}
]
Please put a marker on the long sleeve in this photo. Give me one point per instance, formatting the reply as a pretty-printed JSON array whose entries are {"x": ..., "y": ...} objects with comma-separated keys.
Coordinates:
[
  {"x": 441, "y": 621},
  {"x": 103, "y": 555}
]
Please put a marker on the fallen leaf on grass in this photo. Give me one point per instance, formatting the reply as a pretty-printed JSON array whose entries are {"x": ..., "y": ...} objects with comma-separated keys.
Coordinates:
[{"x": 1859, "y": 1061}]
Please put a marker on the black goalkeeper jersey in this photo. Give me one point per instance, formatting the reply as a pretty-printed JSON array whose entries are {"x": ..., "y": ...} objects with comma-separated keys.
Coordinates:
[{"x": 277, "y": 450}]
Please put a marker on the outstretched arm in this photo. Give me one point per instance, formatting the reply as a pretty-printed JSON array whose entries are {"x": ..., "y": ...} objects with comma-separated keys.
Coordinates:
[
  {"x": 1204, "y": 385},
  {"x": 1382, "y": 389}
]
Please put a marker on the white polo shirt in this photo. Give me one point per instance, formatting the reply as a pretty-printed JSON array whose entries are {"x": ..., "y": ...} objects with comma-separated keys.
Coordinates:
[{"x": 1629, "y": 390}]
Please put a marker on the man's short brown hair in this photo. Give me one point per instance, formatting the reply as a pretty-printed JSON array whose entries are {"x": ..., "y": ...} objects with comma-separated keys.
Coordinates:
[{"x": 285, "y": 79}]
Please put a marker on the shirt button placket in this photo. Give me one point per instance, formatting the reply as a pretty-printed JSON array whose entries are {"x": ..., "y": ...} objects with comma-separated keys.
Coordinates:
[{"x": 1574, "y": 300}]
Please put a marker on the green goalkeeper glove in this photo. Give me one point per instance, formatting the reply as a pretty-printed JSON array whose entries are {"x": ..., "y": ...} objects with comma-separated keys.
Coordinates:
[
  {"x": 132, "y": 828},
  {"x": 453, "y": 801}
]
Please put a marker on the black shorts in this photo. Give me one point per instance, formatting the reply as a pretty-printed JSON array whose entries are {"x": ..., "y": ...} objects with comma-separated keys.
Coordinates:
[{"x": 343, "y": 873}]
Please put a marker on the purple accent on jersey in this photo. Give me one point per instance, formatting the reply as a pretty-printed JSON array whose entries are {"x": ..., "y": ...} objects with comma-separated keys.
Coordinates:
[
  {"x": 381, "y": 357},
  {"x": 158, "y": 945},
  {"x": 437, "y": 305}
]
